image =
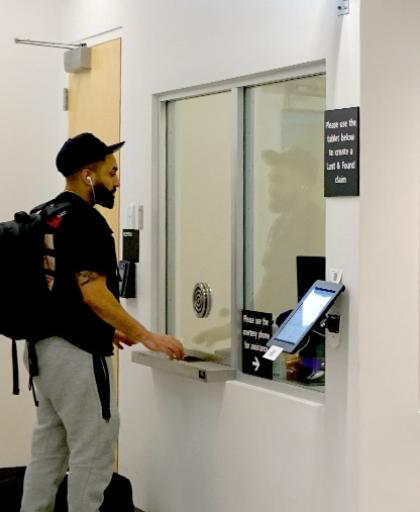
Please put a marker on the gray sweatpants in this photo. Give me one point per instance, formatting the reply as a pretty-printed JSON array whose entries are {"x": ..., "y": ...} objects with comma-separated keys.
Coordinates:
[{"x": 70, "y": 432}]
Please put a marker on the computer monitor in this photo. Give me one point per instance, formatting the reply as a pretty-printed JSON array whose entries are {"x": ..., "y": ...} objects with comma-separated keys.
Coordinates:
[{"x": 308, "y": 270}]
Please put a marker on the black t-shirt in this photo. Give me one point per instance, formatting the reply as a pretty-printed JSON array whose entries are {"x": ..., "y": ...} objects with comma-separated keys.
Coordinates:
[{"x": 82, "y": 241}]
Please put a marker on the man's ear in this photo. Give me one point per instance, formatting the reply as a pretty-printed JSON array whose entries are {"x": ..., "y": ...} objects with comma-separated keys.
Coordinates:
[{"x": 87, "y": 177}]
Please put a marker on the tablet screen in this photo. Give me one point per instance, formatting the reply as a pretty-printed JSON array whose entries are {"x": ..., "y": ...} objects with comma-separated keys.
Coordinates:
[{"x": 305, "y": 316}]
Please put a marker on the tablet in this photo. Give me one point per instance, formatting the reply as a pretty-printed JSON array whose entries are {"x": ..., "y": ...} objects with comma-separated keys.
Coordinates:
[{"x": 310, "y": 311}]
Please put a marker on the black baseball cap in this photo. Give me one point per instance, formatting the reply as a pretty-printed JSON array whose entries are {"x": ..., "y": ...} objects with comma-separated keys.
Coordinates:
[{"x": 82, "y": 150}]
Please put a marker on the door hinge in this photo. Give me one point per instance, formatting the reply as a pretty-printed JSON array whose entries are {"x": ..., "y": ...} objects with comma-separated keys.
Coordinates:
[{"x": 65, "y": 99}]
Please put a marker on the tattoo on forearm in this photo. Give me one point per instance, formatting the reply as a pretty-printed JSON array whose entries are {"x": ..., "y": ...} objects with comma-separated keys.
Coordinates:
[{"x": 86, "y": 276}]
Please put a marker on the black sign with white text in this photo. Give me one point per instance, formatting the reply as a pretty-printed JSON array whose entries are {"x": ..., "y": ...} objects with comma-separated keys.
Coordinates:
[
  {"x": 256, "y": 331},
  {"x": 341, "y": 128}
]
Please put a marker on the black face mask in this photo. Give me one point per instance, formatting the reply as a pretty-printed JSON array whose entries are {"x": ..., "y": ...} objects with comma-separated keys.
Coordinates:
[{"x": 103, "y": 196}]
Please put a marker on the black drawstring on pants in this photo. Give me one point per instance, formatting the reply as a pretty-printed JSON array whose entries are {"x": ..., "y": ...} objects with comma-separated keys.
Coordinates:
[
  {"x": 32, "y": 360},
  {"x": 100, "y": 369},
  {"x": 33, "y": 369},
  {"x": 15, "y": 367},
  {"x": 32, "y": 388}
]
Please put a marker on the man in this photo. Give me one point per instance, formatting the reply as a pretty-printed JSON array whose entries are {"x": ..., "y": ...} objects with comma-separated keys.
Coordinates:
[{"x": 77, "y": 420}]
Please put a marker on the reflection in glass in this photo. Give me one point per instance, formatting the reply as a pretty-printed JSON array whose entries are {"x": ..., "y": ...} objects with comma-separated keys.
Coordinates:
[{"x": 285, "y": 206}]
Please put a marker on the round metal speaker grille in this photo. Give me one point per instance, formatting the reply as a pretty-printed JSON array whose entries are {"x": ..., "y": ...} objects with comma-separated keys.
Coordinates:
[{"x": 201, "y": 300}]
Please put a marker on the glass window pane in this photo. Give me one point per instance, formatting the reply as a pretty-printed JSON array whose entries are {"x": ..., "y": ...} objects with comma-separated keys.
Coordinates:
[
  {"x": 284, "y": 203},
  {"x": 199, "y": 219}
]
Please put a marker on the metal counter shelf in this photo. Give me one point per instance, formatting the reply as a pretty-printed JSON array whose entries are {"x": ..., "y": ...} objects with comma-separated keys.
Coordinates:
[{"x": 198, "y": 366}]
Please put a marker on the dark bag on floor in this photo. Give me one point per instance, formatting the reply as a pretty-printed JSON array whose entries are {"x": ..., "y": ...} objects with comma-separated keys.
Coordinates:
[
  {"x": 118, "y": 496},
  {"x": 11, "y": 486}
]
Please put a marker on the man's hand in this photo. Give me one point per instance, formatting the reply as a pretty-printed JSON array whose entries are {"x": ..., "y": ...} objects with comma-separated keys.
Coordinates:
[
  {"x": 164, "y": 343},
  {"x": 121, "y": 339},
  {"x": 156, "y": 342}
]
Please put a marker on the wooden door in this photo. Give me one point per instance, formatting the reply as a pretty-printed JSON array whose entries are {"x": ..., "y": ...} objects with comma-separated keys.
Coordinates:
[{"x": 94, "y": 106}]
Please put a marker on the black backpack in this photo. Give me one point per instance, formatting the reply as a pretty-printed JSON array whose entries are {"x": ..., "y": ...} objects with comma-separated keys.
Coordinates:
[{"x": 26, "y": 299}]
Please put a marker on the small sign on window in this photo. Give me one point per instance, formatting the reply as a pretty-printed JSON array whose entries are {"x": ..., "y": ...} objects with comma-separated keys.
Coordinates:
[{"x": 256, "y": 331}]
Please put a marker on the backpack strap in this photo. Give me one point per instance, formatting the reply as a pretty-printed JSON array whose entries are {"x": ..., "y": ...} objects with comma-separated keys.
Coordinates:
[
  {"x": 33, "y": 369},
  {"x": 40, "y": 207},
  {"x": 51, "y": 215},
  {"x": 50, "y": 208}
]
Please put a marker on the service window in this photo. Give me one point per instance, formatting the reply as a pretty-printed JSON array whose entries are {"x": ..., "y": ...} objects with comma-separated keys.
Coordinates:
[{"x": 244, "y": 216}]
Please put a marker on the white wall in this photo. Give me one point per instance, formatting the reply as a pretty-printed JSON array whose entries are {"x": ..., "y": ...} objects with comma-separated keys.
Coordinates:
[
  {"x": 389, "y": 257},
  {"x": 343, "y": 222},
  {"x": 30, "y": 103},
  {"x": 187, "y": 446}
]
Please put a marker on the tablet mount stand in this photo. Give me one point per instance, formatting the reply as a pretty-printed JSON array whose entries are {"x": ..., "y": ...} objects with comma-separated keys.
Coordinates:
[{"x": 331, "y": 323}]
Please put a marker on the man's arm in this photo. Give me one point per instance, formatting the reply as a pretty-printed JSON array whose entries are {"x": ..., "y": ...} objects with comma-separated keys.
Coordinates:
[{"x": 97, "y": 296}]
